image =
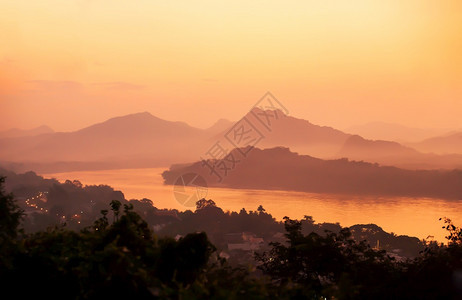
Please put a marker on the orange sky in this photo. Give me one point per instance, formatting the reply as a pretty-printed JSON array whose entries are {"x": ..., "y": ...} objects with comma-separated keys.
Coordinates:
[{"x": 69, "y": 64}]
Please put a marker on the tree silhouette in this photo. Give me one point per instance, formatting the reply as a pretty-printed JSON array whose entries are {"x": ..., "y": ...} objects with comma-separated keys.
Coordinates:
[
  {"x": 260, "y": 209},
  {"x": 332, "y": 265},
  {"x": 115, "y": 206},
  {"x": 203, "y": 203},
  {"x": 10, "y": 215},
  {"x": 10, "y": 219},
  {"x": 455, "y": 233}
]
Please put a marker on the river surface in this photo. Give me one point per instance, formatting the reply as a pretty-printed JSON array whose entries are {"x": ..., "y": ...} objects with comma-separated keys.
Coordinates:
[{"x": 408, "y": 216}]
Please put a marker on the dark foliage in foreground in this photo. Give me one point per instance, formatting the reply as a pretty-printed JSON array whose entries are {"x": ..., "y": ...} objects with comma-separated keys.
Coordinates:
[
  {"x": 123, "y": 259},
  {"x": 334, "y": 265},
  {"x": 120, "y": 257}
]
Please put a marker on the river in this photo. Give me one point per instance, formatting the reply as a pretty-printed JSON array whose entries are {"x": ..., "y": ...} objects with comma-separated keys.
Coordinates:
[{"x": 403, "y": 215}]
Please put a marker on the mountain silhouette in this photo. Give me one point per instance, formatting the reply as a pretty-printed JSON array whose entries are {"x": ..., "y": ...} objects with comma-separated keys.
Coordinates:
[
  {"x": 393, "y": 132},
  {"x": 144, "y": 140},
  {"x": 15, "y": 132},
  {"x": 129, "y": 141},
  {"x": 356, "y": 147},
  {"x": 279, "y": 129},
  {"x": 280, "y": 169},
  {"x": 329, "y": 143},
  {"x": 395, "y": 154},
  {"x": 445, "y": 144}
]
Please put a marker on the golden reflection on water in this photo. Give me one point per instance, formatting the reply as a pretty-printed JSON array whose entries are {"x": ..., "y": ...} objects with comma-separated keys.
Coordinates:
[{"x": 409, "y": 216}]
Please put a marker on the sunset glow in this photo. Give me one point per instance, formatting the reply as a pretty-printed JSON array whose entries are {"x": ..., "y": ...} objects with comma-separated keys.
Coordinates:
[
  {"x": 231, "y": 149},
  {"x": 73, "y": 63}
]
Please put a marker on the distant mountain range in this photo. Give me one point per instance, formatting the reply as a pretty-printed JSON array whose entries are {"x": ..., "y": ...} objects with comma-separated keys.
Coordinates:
[
  {"x": 135, "y": 140},
  {"x": 395, "y": 154},
  {"x": 394, "y": 132},
  {"x": 328, "y": 143},
  {"x": 297, "y": 134},
  {"x": 15, "y": 132},
  {"x": 445, "y": 144},
  {"x": 143, "y": 140},
  {"x": 281, "y": 169}
]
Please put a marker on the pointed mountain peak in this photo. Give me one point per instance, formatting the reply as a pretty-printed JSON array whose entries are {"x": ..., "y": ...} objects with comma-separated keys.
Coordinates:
[
  {"x": 259, "y": 111},
  {"x": 135, "y": 120},
  {"x": 141, "y": 116}
]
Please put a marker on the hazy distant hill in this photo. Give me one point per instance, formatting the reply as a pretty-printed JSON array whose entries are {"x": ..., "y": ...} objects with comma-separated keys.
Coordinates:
[
  {"x": 360, "y": 147},
  {"x": 395, "y": 154},
  {"x": 279, "y": 129},
  {"x": 387, "y": 152},
  {"x": 15, "y": 132},
  {"x": 446, "y": 144},
  {"x": 143, "y": 140},
  {"x": 328, "y": 143},
  {"x": 130, "y": 141},
  {"x": 279, "y": 168},
  {"x": 393, "y": 132}
]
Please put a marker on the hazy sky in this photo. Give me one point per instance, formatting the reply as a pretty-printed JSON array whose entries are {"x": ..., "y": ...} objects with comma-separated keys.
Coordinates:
[{"x": 69, "y": 64}]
